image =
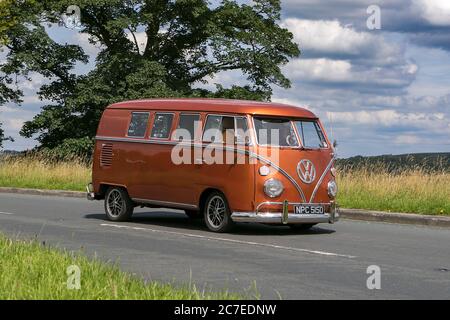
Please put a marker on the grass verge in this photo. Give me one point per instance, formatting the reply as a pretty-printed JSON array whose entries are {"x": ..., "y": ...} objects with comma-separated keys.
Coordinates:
[
  {"x": 37, "y": 173},
  {"x": 411, "y": 191},
  {"x": 29, "y": 270}
]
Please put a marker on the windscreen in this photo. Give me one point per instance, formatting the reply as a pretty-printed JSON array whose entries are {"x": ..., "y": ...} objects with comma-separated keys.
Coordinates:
[
  {"x": 275, "y": 132},
  {"x": 310, "y": 133}
]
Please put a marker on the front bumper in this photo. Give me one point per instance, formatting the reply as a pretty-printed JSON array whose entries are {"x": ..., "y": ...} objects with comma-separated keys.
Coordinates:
[{"x": 284, "y": 217}]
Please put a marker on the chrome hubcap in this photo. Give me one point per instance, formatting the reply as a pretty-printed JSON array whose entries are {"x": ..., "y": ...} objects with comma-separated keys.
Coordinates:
[
  {"x": 115, "y": 203},
  {"x": 216, "y": 211}
]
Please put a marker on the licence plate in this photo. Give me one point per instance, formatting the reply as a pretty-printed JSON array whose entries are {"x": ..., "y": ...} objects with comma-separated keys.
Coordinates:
[{"x": 308, "y": 209}]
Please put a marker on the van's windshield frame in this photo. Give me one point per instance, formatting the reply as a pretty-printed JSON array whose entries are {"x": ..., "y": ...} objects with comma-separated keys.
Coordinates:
[{"x": 293, "y": 127}]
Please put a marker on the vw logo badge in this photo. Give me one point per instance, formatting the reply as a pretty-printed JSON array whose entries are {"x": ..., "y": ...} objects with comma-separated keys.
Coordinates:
[{"x": 306, "y": 171}]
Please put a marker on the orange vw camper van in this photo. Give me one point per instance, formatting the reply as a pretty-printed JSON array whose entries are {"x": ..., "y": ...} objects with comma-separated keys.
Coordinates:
[{"x": 225, "y": 161}]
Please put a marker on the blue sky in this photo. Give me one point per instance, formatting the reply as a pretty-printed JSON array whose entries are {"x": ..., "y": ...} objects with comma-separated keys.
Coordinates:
[{"x": 381, "y": 91}]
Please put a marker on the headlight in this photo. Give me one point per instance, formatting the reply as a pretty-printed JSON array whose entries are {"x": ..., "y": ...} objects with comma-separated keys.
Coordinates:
[
  {"x": 332, "y": 189},
  {"x": 273, "y": 188}
]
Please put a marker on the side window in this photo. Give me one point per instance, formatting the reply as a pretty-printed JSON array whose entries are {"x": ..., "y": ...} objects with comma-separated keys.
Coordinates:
[
  {"x": 242, "y": 133},
  {"x": 138, "y": 124},
  {"x": 187, "y": 127},
  {"x": 227, "y": 129},
  {"x": 162, "y": 125}
]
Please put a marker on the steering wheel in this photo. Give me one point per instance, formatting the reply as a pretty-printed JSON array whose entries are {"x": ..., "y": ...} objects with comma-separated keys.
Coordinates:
[{"x": 289, "y": 141}]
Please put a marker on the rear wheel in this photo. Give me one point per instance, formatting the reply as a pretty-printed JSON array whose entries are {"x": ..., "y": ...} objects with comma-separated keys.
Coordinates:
[
  {"x": 217, "y": 213},
  {"x": 303, "y": 226},
  {"x": 118, "y": 205}
]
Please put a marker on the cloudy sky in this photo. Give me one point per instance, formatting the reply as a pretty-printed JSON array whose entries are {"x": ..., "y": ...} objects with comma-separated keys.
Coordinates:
[{"x": 378, "y": 91}]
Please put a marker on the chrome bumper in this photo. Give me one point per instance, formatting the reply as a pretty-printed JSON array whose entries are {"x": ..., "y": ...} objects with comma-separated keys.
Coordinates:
[
  {"x": 287, "y": 218},
  {"x": 90, "y": 195}
]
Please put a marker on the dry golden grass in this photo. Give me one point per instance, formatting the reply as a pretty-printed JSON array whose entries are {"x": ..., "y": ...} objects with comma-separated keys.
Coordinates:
[
  {"x": 35, "y": 172},
  {"x": 370, "y": 186},
  {"x": 414, "y": 190}
]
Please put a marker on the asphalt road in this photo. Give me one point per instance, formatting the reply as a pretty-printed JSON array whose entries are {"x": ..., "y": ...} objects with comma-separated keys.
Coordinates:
[{"x": 327, "y": 262}]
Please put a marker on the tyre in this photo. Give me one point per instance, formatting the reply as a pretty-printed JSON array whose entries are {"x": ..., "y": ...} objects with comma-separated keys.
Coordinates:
[
  {"x": 193, "y": 214},
  {"x": 118, "y": 205},
  {"x": 217, "y": 213},
  {"x": 303, "y": 226}
]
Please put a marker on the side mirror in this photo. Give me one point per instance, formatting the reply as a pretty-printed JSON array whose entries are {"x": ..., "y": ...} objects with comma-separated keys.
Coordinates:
[{"x": 335, "y": 144}]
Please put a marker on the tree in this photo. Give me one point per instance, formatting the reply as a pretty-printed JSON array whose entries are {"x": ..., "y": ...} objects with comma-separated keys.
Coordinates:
[
  {"x": 187, "y": 41},
  {"x": 2, "y": 137},
  {"x": 6, "y": 92}
]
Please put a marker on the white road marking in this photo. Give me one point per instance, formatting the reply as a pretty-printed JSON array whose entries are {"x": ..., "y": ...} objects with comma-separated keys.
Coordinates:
[
  {"x": 324, "y": 253},
  {"x": 8, "y": 213}
]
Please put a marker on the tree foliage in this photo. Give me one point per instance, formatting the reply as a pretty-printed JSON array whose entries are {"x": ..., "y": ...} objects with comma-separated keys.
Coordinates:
[
  {"x": 186, "y": 42},
  {"x": 2, "y": 136}
]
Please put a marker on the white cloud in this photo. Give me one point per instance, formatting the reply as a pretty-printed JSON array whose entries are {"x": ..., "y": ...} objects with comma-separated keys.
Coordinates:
[
  {"x": 407, "y": 139},
  {"x": 321, "y": 69},
  {"x": 342, "y": 72},
  {"x": 32, "y": 99},
  {"x": 433, "y": 122},
  {"x": 14, "y": 124},
  {"x": 436, "y": 12},
  {"x": 326, "y": 36},
  {"x": 82, "y": 39},
  {"x": 35, "y": 82},
  {"x": 9, "y": 109},
  {"x": 330, "y": 38},
  {"x": 340, "y": 56}
]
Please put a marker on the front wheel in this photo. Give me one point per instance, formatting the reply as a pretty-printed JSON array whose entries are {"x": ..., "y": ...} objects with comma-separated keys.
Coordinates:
[
  {"x": 217, "y": 213},
  {"x": 118, "y": 205}
]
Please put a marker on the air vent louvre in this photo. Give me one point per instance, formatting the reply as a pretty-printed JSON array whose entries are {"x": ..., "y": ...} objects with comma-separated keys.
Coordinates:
[{"x": 106, "y": 155}]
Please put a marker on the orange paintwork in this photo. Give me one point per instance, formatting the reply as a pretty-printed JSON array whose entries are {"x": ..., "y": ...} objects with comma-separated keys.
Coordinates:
[{"x": 146, "y": 169}]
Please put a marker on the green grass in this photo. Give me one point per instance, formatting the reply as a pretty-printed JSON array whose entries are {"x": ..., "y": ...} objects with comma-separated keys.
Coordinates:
[{"x": 29, "y": 270}]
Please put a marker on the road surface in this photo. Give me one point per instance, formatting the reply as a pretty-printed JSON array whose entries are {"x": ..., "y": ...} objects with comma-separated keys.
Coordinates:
[{"x": 326, "y": 262}]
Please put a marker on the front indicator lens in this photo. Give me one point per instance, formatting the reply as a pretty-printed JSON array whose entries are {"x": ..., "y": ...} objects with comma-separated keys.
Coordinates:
[
  {"x": 332, "y": 189},
  {"x": 273, "y": 188}
]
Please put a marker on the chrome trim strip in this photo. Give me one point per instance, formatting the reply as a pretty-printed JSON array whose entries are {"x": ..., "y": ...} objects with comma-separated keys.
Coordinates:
[
  {"x": 271, "y": 203},
  {"x": 280, "y": 217},
  {"x": 247, "y": 152},
  {"x": 267, "y": 161},
  {"x": 142, "y": 140},
  {"x": 321, "y": 179},
  {"x": 276, "y": 218},
  {"x": 297, "y": 186},
  {"x": 166, "y": 203},
  {"x": 285, "y": 216},
  {"x": 89, "y": 192}
]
